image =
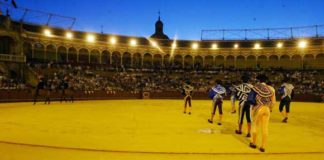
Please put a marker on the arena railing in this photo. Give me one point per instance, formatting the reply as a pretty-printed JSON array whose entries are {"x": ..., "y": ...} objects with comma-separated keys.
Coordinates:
[
  {"x": 12, "y": 58},
  {"x": 314, "y": 31},
  {"x": 27, "y": 96}
]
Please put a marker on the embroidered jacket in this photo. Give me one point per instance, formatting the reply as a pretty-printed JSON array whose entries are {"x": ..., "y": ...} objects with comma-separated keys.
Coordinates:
[
  {"x": 187, "y": 90},
  {"x": 242, "y": 91},
  {"x": 262, "y": 95},
  {"x": 216, "y": 92}
]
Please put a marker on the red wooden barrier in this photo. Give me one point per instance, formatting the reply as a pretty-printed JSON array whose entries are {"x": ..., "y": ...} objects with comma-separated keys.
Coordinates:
[{"x": 27, "y": 95}]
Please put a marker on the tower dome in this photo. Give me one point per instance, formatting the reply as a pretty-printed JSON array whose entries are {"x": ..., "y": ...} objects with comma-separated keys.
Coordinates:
[{"x": 159, "y": 30}]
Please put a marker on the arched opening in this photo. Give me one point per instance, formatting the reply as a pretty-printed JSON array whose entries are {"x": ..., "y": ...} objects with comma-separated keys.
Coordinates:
[
  {"x": 72, "y": 55},
  {"x": 147, "y": 60},
  {"x": 7, "y": 45},
  {"x": 177, "y": 62},
  {"x": 157, "y": 61},
  {"x": 50, "y": 53},
  {"x": 240, "y": 62},
  {"x": 188, "y": 62},
  {"x": 274, "y": 61},
  {"x": 209, "y": 62},
  {"x": 309, "y": 61},
  {"x": 262, "y": 62},
  {"x": 137, "y": 60},
  {"x": 39, "y": 52},
  {"x": 166, "y": 61},
  {"x": 28, "y": 52},
  {"x": 116, "y": 59},
  {"x": 319, "y": 61},
  {"x": 199, "y": 63},
  {"x": 230, "y": 62},
  {"x": 285, "y": 61},
  {"x": 105, "y": 57},
  {"x": 220, "y": 61},
  {"x": 296, "y": 62},
  {"x": 127, "y": 60},
  {"x": 84, "y": 56},
  {"x": 95, "y": 57},
  {"x": 61, "y": 54},
  {"x": 251, "y": 62}
]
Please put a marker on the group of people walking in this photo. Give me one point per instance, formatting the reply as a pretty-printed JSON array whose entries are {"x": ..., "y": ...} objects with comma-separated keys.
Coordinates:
[
  {"x": 255, "y": 104},
  {"x": 45, "y": 89}
]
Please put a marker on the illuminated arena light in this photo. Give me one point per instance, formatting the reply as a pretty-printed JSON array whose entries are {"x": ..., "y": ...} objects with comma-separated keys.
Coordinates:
[
  {"x": 214, "y": 46},
  {"x": 47, "y": 33},
  {"x": 133, "y": 42},
  {"x": 302, "y": 44},
  {"x": 154, "y": 44},
  {"x": 91, "y": 38},
  {"x": 113, "y": 40},
  {"x": 257, "y": 46},
  {"x": 69, "y": 35},
  {"x": 279, "y": 45},
  {"x": 174, "y": 45},
  {"x": 236, "y": 46},
  {"x": 195, "y": 46}
]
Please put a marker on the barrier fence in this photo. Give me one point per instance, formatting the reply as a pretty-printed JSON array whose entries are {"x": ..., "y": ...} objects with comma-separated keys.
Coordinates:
[
  {"x": 27, "y": 96},
  {"x": 12, "y": 58}
]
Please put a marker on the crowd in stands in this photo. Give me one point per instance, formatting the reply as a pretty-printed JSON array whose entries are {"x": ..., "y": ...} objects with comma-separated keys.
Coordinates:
[
  {"x": 89, "y": 79},
  {"x": 7, "y": 83}
]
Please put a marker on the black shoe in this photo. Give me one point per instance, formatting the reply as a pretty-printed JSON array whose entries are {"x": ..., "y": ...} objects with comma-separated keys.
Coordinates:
[
  {"x": 285, "y": 120},
  {"x": 253, "y": 145},
  {"x": 219, "y": 123},
  {"x": 210, "y": 121},
  {"x": 238, "y": 132},
  {"x": 184, "y": 112},
  {"x": 262, "y": 149},
  {"x": 189, "y": 113},
  {"x": 248, "y": 135}
]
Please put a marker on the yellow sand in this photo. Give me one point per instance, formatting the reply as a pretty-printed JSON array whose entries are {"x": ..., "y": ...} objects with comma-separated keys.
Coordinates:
[{"x": 150, "y": 129}]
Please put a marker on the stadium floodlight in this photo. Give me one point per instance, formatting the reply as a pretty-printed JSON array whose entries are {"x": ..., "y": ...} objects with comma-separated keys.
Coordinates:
[
  {"x": 133, "y": 42},
  {"x": 302, "y": 44},
  {"x": 47, "y": 33},
  {"x": 195, "y": 46},
  {"x": 214, "y": 46},
  {"x": 69, "y": 35},
  {"x": 279, "y": 45},
  {"x": 174, "y": 45},
  {"x": 236, "y": 45},
  {"x": 91, "y": 38},
  {"x": 154, "y": 44},
  {"x": 257, "y": 46},
  {"x": 113, "y": 40}
]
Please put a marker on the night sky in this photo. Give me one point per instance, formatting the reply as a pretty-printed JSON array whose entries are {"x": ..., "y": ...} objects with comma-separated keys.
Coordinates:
[{"x": 184, "y": 18}]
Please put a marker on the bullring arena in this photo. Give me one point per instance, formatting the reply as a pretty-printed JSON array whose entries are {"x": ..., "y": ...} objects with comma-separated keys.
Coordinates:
[
  {"x": 149, "y": 129},
  {"x": 72, "y": 95}
]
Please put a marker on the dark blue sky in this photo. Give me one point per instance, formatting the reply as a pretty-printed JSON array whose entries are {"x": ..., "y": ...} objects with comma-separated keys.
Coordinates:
[{"x": 186, "y": 18}]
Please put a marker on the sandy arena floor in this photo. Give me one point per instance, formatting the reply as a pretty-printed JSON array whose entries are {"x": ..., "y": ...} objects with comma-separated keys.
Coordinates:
[{"x": 150, "y": 129}]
